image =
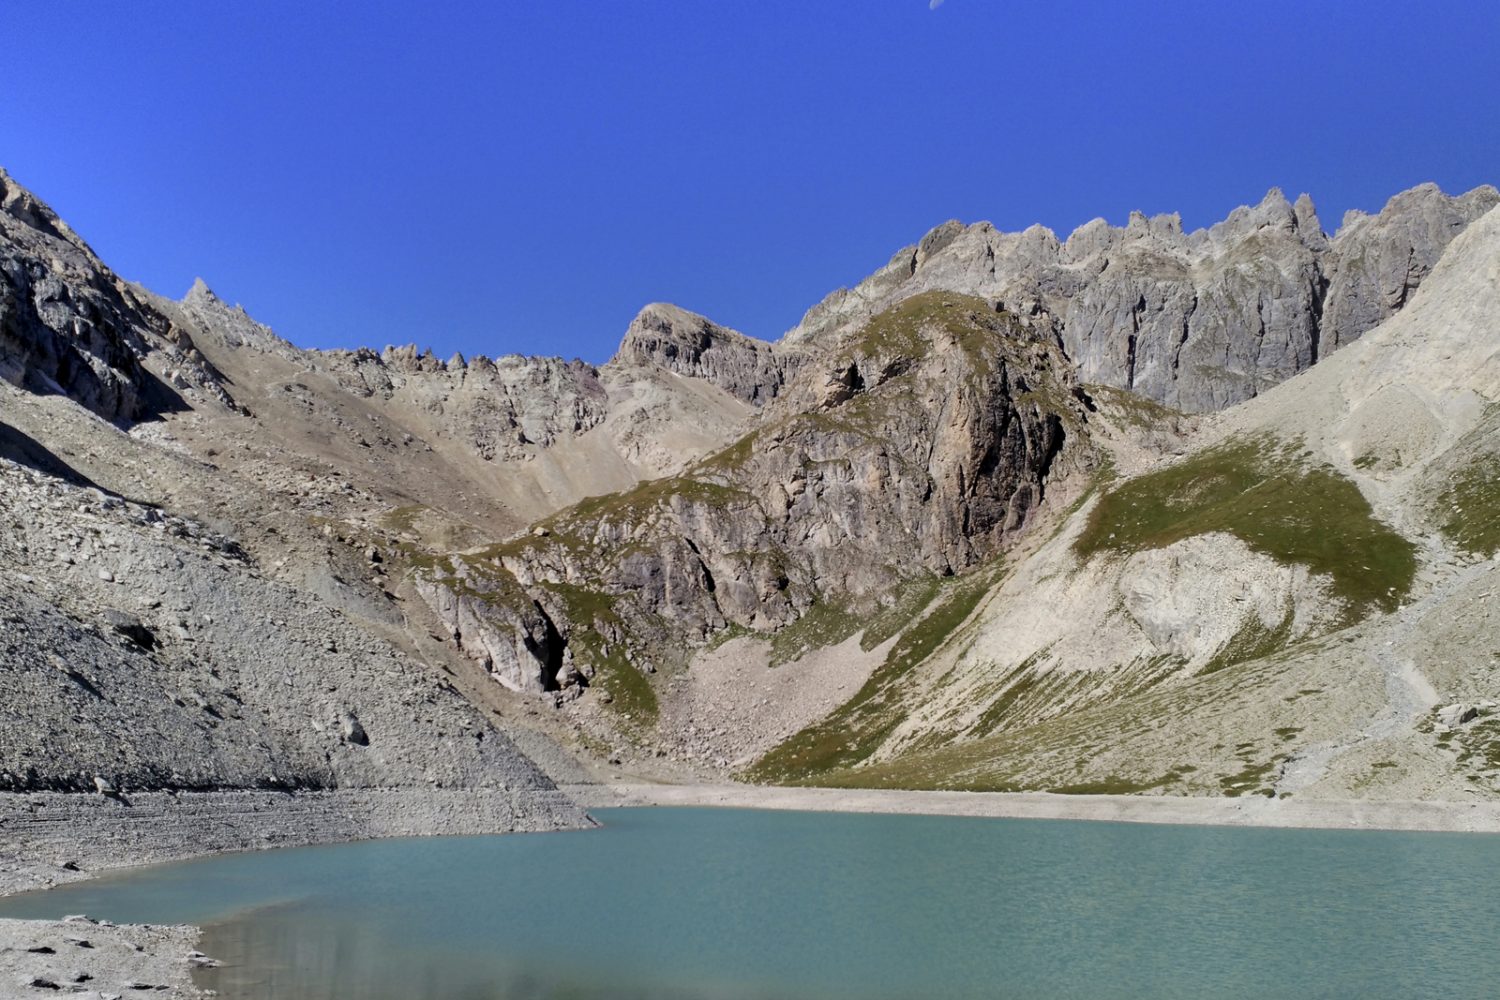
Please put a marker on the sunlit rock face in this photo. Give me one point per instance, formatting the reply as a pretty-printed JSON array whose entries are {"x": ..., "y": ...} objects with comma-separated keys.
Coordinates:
[{"x": 1198, "y": 321}]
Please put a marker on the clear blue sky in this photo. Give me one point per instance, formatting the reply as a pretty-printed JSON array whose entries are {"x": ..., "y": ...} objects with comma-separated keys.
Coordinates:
[{"x": 523, "y": 177}]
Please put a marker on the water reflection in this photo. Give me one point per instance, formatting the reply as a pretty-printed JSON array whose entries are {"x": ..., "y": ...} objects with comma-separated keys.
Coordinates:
[{"x": 295, "y": 953}]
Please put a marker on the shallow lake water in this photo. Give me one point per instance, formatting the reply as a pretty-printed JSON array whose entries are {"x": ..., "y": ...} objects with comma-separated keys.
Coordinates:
[{"x": 704, "y": 903}]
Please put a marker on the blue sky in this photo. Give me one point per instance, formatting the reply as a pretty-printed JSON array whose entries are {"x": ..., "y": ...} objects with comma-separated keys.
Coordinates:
[{"x": 523, "y": 177}]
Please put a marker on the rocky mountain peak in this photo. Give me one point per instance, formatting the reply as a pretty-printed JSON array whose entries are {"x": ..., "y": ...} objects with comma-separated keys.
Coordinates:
[
  {"x": 1378, "y": 261},
  {"x": 67, "y": 323},
  {"x": 690, "y": 345},
  {"x": 936, "y": 239},
  {"x": 29, "y": 210},
  {"x": 1273, "y": 212},
  {"x": 204, "y": 308},
  {"x": 200, "y": 294},
  {"x": 665, "y": 316},
  {"x": 1307, "y": 215}
]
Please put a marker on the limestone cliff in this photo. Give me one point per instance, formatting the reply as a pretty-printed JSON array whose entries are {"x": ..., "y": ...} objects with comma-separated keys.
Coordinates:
[{"x": 1198, "y": 321}]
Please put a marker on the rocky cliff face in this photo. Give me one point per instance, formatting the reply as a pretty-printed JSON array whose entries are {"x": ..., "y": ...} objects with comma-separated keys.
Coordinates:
[
  {"x": 690, "y": 345},
  {"x": 1299, "y": 602},
  {"x": 1378, "y": 261},
  {"x": 66, "y": 324},
  {"x": 495, "y": 408},
  {"x": 914, "y": 450},
  {"x": 1198, "y": 321}
]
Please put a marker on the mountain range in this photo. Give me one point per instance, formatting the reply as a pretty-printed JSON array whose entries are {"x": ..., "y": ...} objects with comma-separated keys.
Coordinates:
[{"x": 1138, "y": 510}]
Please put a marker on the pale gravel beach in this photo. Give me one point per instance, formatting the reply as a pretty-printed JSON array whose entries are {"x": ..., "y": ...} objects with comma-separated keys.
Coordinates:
[
  {"x": 95, "y": 960},
  {"x": 48, "y": 838},
  {"x": 1464, "y": 817}
]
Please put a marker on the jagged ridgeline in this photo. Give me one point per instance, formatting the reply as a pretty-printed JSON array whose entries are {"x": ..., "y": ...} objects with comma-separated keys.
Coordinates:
[
  {"x": 1141, "y": 508},
  {"x": 1198, "y": 321}
]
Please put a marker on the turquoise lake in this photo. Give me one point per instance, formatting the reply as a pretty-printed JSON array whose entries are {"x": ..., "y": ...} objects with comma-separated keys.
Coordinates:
[{"x": 707, "y": 903}]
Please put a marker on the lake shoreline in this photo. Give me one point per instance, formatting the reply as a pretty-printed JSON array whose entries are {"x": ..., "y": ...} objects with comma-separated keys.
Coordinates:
[
  {"x": 49, "y": 839},
  {"x": 795, "y": 874},
  {"x": 52, "y": 838},
  {"x": 1417, "y": 816},
  {"x": 90, "y": 959}
]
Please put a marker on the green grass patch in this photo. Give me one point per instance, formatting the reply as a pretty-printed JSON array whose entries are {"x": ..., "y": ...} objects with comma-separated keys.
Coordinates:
[
  {"x": 575, "y": 528},
  {"x": 1115, "y": 785},
  {"x": 911, "y": 600},
  {"x": 1252, "y": 641},
  {"x": 403, "y": 520},
  {"x": 1132, "y": 409},
  {"x": 1019, "y": 683},
  {"x": 857, "y": 728},
  {"x": 903, "y": 330},
  {"x": 730, "y": 632},
  {"x": 1478, "y": 744},
  {"x": 630, "y": 692},
  {"x": 905, "y": 334},
  {"x": 1022, "y": 684},
  {"x": 1273, "y": 501},
  {"x": 1469, "y": 509},
  {"x": 1117, "y": 743},
  {"x": 826, "y": 623},
  {"x": 830, "y": 621},
  {"x": 732, "y": 458},
  {"x": 583, "y": 606},
  {"x": 632, "y": 504},
  {"x": 1251, "y": 780},
  {"x": 466, "y": 575}
]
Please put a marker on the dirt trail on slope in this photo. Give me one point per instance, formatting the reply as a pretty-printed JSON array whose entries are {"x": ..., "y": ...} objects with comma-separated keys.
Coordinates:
[{"x": 1409, "y": 694}]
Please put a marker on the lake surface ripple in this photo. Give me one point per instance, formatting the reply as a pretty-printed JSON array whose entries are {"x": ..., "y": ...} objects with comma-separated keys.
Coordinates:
[{"x": 739, "y": 904}]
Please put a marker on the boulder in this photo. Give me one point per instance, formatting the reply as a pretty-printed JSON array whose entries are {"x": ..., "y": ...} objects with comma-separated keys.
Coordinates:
[
  {"x": 1457, "y": 714},
  {"x": 129, "y": 626},
  {"x": 352, "y": 730}
]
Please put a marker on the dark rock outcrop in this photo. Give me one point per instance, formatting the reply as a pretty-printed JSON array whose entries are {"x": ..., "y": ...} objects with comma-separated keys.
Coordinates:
[{"x": 66, "y": 324}]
